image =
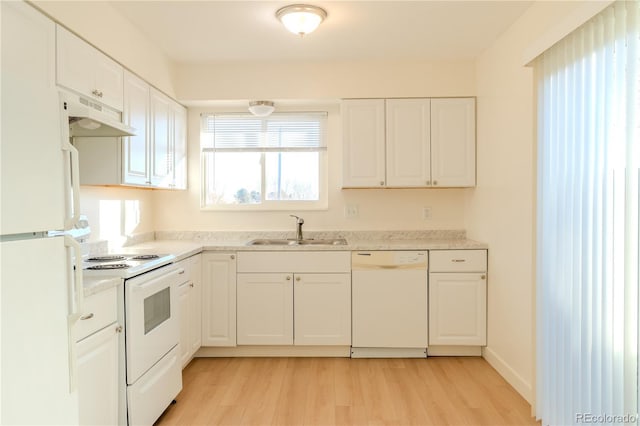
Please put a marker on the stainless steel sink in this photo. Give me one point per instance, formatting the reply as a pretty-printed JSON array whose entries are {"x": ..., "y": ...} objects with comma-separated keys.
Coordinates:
[{"x": 305, "y": 242}]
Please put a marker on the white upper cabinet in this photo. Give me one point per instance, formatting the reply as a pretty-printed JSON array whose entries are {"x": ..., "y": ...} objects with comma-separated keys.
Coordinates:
[
  {"x": 86, "y": 70},
  {"x": 155, "y": 157},
  {"x": 162, "y": 158},
  {"x": 404, "y": 143},
  {"x": 408, "y": 142},
  {"x": 136, "y": 114},
  {"x": 453, "y": 142},
  {"x": 363, "y": 142}
]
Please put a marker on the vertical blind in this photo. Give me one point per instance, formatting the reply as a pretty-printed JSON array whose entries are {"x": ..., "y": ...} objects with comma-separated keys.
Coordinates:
[{"x": 587, "y": 243}]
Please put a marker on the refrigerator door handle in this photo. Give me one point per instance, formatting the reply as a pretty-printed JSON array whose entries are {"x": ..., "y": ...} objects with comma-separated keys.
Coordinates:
[
  {"x": 73, "y": 179},
  {"x": 76, "y": 300}
]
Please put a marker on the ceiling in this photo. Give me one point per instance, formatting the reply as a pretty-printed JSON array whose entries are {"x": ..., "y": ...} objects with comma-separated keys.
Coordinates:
[{"x": 240, "y": 31}]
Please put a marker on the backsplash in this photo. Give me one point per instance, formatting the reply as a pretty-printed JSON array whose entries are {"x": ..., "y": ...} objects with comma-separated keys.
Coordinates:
[{"x": 348, "y": 235}]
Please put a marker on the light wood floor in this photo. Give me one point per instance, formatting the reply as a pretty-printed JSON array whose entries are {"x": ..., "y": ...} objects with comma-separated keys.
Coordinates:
[{"x": 343, "y": 391}]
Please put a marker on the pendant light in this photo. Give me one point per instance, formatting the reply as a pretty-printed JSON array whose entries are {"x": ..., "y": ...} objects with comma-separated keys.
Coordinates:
[{"x": 301, "y": 18}]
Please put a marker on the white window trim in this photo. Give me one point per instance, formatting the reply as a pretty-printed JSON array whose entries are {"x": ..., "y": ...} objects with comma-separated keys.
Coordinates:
[{"x": 270, "y": 205}]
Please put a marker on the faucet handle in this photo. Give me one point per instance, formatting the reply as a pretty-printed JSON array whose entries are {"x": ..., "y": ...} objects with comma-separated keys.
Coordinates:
[{"x": 298, "y": 219}]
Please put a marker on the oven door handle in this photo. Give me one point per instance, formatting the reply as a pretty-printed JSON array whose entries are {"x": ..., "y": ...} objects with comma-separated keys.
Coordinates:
[{"x": 151, "y": 283}]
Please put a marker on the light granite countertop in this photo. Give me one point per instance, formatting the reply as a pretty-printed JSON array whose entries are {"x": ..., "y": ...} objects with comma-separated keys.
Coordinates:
[{"x": 185, "y": 244}]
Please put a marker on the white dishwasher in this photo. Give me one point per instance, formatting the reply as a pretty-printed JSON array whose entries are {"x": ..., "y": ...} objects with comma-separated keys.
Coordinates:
[{"x": 389, "y": 304}]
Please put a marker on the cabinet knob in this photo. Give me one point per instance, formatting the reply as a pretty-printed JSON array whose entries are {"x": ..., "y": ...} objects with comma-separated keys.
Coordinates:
[
  {"x": 435, "y": 182},
  {"x": 428, "y": 182},
  {"x": 297, "y": 278},
  {"x": 191, "y": 285},
  {"x": 119, "y": 329},
  {"x": 97, "y": 93},
  {"x": 482, "y": 277},
  {"x": 288, "y": 278},
  {"x": 233, "y": 256},
  {"x": 381, "y": 183}
]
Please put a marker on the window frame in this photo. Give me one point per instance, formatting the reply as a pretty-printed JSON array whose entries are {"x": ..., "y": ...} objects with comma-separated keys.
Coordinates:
[{"x": 265, "y": 204}]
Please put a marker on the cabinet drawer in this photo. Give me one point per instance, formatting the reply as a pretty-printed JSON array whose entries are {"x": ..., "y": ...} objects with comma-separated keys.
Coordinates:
[
  {"x": 457, "y": 260},
  {"x": 191, "y": 266},
  {"x": 100, "y": 310}
]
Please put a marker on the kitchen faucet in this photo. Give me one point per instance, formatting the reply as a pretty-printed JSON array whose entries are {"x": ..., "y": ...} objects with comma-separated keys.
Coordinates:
[{"x": 299, "y": 223}]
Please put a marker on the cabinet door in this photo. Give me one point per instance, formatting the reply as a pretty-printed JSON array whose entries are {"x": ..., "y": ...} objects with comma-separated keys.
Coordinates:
[
  {"x": 75, "y": 69},
  {"x": 265, "y": 309},
  {"x": 363, "y": 143},
  {"x": 458, "y": 309},
  {"x": 136, "y": 148},
  {"x": 179, "y": 145},
  {"x": 453, "y": 142},
  {"x": 161, "y": 149},
  {"x": 408, "y": 147},
  {"x": 195, "y": 304},
  {"x": 84, "y": 69},
  {"x": 98, "y": 377},
  {"x": 218, "y": 299},
  {"x": 184, "y": 296},
  {"x": 322, "y": 309},
  {"x": 109, "y": 77}
]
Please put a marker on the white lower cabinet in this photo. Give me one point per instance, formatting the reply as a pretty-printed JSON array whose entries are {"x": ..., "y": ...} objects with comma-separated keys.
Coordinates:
[
  {"x": 294, "y": 298},
  {"x": 190, "y": 296},
  {"x": 98, "y": 378},
  {"x": 458, "y": 298},
  {"x": 322, "y": 309},
  {"x": 458, "y": 309},
  {"x": 218, "y": 299},
  {"x": 271, "y": 306},
  {"x": 265, "y": 309},
  {"x": 98, "y": 336}
]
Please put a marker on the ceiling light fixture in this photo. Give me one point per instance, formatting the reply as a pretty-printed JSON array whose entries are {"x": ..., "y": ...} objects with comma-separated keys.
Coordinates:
[
  {"x": 261, "y": 108},
  {"x": 301, "y": 18}
]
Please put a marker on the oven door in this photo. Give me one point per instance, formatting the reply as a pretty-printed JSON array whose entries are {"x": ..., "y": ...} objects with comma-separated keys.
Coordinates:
[{"x": 151, "y": 318}]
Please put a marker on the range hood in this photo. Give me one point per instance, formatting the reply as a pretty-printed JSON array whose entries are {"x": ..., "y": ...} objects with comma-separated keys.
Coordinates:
[{"x": 90, "y": 118}]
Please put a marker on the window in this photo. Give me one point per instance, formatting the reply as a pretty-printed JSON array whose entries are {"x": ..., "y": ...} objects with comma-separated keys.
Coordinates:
[
  {"x": 588, "y": 331},
  {"x": 263, "y": 163}
]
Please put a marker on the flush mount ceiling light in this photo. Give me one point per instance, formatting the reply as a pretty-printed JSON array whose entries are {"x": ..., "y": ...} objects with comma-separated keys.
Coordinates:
[
  {"x": 301, "y": 18},
  {"x": 261, "y": 108}
]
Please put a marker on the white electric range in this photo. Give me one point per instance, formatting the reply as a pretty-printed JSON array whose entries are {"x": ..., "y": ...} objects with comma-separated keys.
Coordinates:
[{"x": 150, "y": 370}]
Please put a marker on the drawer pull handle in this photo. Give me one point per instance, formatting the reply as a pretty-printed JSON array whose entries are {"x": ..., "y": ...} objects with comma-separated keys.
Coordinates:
[
  {"x": 86, "y": 317},
  {"x": 458, "y": 260},
  {"x": 181, "y": 272}
]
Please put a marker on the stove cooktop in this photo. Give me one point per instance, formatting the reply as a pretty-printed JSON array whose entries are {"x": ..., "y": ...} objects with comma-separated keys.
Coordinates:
[{"x": 124, "y": 265}]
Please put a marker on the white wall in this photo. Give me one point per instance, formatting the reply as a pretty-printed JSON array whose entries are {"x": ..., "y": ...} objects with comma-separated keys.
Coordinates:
[
  {"x": 501, "y": 210},
  {"x": 324, "y": 80},
  {"x": 115, "y": 213},
  {"x": 378, "y": 209}
]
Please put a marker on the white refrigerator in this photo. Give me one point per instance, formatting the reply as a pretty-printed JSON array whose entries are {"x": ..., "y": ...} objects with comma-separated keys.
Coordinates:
[{"x": 40, "y": 291}]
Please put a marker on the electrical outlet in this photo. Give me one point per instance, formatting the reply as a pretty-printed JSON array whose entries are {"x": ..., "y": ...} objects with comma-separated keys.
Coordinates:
[
  {"x": 426, "y": 213},
  {"x": 351, "y": 210}
]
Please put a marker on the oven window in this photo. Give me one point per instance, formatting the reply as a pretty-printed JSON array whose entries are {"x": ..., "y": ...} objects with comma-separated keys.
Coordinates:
[{"x": 157, "y": 309}]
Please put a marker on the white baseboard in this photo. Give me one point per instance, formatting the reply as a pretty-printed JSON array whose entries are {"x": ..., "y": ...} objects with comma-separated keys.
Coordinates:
[
  {"x": 275, "y": 351},
  {"x": 509, "y": 374}
]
